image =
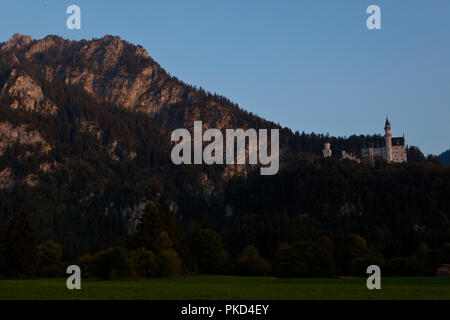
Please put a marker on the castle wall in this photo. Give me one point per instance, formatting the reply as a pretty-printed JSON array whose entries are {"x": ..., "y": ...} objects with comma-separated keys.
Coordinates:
[{"x": 398, "y": 154}]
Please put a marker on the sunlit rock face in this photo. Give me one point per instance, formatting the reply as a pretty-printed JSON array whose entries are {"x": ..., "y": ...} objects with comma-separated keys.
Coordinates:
[
  {"x": 27, "y": 95},
  {"x": 10, "y": 135}
]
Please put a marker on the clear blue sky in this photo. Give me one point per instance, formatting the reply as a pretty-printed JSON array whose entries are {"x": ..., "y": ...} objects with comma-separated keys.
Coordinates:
[{"x": 310, "y": 65}]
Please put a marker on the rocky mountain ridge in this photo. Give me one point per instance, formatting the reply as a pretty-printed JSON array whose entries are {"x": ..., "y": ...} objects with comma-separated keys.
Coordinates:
[
  {"x": 109, "y": 69},
  {"x": 113, "y": 70}
]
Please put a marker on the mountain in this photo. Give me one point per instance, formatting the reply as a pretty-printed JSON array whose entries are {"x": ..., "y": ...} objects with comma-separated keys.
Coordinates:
[
  {"x": 112, "y": 70},
  {"x": 85, "y": 140},
  {"x": 444, "y": 157}
]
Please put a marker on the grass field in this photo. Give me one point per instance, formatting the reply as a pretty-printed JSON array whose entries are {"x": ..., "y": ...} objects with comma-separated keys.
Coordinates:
[{"x": 228, "y": 287}]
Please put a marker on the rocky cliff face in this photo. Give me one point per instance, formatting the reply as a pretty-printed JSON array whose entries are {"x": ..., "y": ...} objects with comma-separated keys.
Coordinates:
[
  {"x": 35, "y": 146},
  {"x": 108, "y": 68},
  {"x": 27, "y": 94},
  {"x": 10, "y": 135}
]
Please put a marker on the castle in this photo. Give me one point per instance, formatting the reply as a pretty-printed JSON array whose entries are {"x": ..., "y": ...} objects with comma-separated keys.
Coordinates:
[{"x": 393, "y": 150}]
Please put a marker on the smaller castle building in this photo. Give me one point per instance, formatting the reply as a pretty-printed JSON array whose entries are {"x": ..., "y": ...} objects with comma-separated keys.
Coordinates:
[
  {"x": 348, "y": 156},
  {"x": 327, "y": 151}
]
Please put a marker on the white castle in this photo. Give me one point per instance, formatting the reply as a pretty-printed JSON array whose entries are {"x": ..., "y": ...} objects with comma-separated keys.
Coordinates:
[
  {"x": 327, "y": 150},
  {"x": 393, "y": 150}
]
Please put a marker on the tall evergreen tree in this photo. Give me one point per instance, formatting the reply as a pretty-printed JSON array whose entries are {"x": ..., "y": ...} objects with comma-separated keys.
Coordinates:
[
  {"x": 149, "y": 229},
  {"x": 209, "y": 251},
  {"x": 172, "y": 226},
  {"x": 21, "y": 253}
]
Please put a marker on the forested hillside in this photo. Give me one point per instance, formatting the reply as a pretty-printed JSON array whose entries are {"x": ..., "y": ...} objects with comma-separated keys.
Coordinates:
[{"x": 85, "y": 150}]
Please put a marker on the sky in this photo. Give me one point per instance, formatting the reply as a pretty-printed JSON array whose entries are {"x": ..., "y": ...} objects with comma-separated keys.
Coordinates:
[{"x": 310, "y": 65}]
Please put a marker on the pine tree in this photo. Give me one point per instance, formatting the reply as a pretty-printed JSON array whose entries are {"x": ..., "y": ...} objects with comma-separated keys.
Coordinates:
[
  {"x": 21, "y": 253},
  {"x": 172, "y": 226},
  {"x": 149, "y": 228}
]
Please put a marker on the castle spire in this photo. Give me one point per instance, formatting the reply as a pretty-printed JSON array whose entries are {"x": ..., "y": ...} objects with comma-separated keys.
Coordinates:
[{"x": 388, "y": 141}]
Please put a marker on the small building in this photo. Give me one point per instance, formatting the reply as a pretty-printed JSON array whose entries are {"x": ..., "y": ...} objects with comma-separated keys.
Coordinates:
[
  {"x": 348, "y": 156},
  {"x": 443, "y": 270},
  {"x": 327, "y": 151}
]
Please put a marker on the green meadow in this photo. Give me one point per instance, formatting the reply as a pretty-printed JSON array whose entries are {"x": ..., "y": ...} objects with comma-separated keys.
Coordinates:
[{"x": 227, "y": 287}]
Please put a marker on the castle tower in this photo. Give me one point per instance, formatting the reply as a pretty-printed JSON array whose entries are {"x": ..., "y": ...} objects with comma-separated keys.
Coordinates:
[{"x": 388, "y": 141}]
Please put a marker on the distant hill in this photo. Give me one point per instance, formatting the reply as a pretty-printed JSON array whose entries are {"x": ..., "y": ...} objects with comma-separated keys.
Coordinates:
[{"x": 444, "y": 157}]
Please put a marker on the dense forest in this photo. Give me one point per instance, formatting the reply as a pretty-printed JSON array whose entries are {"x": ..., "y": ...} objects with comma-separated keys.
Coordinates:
[
  {"x": 395, "y": 208},
  {"x": 314, "y": 218}
]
